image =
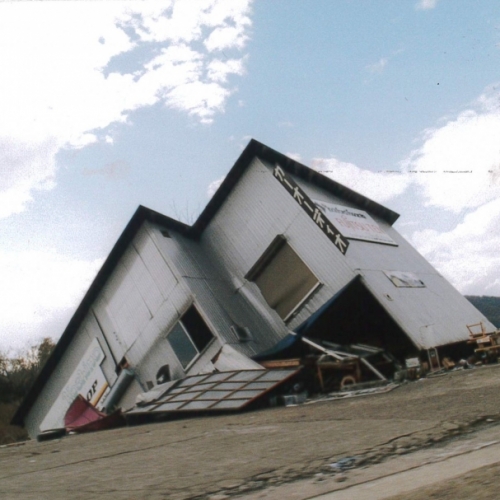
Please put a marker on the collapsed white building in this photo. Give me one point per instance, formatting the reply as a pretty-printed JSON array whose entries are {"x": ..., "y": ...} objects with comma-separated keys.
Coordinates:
[{"x": 275, "y": 244}]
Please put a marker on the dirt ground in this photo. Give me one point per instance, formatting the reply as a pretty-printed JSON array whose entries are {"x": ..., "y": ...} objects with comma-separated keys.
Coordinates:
[
  {"x": 479, "y": 484},
  {"x": 325, "y": 446}
]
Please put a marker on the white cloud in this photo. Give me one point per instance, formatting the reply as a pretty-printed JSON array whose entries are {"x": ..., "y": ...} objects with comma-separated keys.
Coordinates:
[
  {"x": 219, "y": 70},
  {"x": 379, "y": 186},
  {"x": 464, "y": 153},
  {"x": 456, "y": 169},
  {"x": 35, "y": 289},
  {"x": 294, "y": 156},
  {"x": 468, "y": 255},
  {"x": 426, "y": 4},
  {"x": 24, "y": 167},
  {"x": 117, "y": 169},
  {"x": 379, "y": 66},
  {"x": 62, "y": 80},
  {"x": 214, "y": 185}
]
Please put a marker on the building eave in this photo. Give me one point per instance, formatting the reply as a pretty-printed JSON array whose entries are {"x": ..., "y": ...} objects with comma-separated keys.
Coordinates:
[{"x": 259, "y": 150}]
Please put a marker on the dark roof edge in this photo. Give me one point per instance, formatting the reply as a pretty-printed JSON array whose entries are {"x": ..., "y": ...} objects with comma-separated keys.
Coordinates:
[
  {"x": 257, "y": 149},
  {"x": 135, "y": 223}
]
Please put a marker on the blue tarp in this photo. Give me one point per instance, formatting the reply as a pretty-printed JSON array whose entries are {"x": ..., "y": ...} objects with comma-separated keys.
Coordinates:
[{"x": 301, "y": 331}]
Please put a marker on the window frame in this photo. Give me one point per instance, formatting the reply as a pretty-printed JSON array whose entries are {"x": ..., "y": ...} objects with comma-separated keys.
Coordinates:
[
  {"x": 186, "y": 331},
  {"x": 266, "y": 259}
]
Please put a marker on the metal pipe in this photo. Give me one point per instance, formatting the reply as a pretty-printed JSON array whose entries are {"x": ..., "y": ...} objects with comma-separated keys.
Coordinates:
[
  {"x": 120, "y": 386},
  {"x": 372, "y": 368}
]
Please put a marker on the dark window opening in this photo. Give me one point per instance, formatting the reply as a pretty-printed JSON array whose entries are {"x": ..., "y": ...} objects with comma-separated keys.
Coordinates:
[
  {"x": 283, "y": 278},
  {"x": 242, "y": 332},
  {"x": 163, "y": 375},
  {"x": 189, "y": 337},
  {"x": 357, "y": 317},
  {"x": 122, "y": 365},
  {"x": 197, "y": 328}
]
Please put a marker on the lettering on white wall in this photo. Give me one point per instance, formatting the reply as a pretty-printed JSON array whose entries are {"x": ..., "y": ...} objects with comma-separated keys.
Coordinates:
[
  {"x": 355, "y": 224},
  {"x": 87, "y": 379},
  {"x": 317, "y": 215}
]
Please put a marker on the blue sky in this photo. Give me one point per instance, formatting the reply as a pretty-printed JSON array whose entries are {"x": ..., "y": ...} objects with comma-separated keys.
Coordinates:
[{"x": 108, "y": 105}]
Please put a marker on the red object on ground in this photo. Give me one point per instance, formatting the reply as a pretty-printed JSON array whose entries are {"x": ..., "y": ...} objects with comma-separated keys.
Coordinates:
[{"x": 83, "y": 417}]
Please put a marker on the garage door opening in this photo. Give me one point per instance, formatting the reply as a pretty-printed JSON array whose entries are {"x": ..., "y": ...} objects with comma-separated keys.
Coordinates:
[{"x": 356, "y": 317}]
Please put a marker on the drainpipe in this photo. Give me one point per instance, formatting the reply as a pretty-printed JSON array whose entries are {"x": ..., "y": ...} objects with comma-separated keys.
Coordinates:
[{"x": 118, "y": 390}]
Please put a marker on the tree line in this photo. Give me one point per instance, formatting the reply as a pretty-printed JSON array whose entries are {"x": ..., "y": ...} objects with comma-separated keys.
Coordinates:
[
  {"x": 17, "y": 374},
  {"x": 489, "y": 306}
]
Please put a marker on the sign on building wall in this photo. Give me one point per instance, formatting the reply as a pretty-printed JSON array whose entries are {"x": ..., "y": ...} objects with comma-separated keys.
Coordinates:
[
  {"x": 355, "y": 224},
  {"x": 88, "y": 380},
  {"x": 316, "y": 214},
  {"x": 404, "y": 279}
]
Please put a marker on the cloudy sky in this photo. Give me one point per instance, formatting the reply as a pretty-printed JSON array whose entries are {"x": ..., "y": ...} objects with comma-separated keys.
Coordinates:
[{"x": 111, "y": 104}]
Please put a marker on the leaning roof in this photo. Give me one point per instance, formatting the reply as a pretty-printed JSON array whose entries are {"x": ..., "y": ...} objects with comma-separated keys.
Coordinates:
[{"x": 253, "y": 149}]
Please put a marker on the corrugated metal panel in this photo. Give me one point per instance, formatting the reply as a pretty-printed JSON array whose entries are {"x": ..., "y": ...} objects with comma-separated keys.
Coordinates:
[
  {"x": 141, "y": 283},
  {"x": 143, "y": 342},
  {"x": 109, "y": 329},
  {"x": 93, "y": 330},
  {"x": 142, "y": 300},
  {"x": 142, "y": 280},
  {"x": 431, "y": 316},
  {"x": 206, "y": 277},
  {"x": 246, "y": 309},
  {"x": 254, "y": 213},
  {"x": 434, "y": 315},
  {"x": 229, "y": 359},
  {"x": 125, "y": 305},
  {"x": 365, "y": 255},
  {"x": 160, "y": 354},
  {"x": 158, "y": 268},
  {"x": 176, "y": 251}
]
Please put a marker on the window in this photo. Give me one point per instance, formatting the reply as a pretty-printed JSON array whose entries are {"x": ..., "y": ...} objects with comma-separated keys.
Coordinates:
[
  {"x": 163, "y": 375},
  {"x": 242, "y": 333},
  {"x": 189, "y": 336},
  {"x": 283, "y": 278},
  {"x": 404, "y": 279}
]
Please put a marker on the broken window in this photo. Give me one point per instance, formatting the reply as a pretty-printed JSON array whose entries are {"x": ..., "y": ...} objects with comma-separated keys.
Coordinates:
[
  {"x": 283, "y": 278},
  {"x": 189, "y": 337}
]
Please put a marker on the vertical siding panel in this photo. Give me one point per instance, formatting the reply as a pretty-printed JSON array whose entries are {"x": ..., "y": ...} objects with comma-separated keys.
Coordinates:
[
  {"x": 109, "y": 329},
  {"x": 141, "y": 280},
  {"x": 163, "y": 277},
  {"x": 257, "y": 210},
  {"x": 55, "y": 384}
]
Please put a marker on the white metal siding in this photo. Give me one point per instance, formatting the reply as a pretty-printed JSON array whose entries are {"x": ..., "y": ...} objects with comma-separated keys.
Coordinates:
[
  {"x": 257, "y": 210},
  {"x": 434, "y": 315},
  {"x": 67, "y": 364}
]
